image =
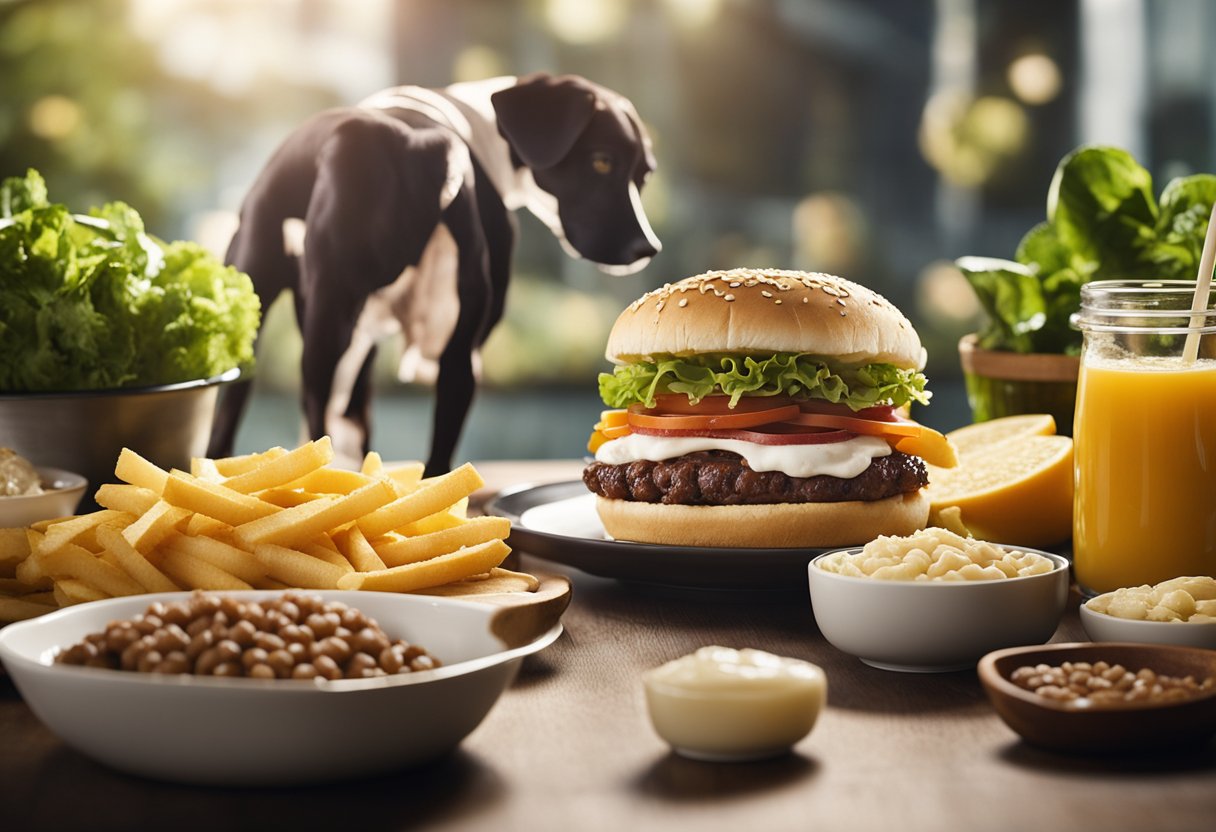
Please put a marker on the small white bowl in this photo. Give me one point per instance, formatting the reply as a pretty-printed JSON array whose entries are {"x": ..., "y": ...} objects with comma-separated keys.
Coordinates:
[
  {"x": 219, "y": 731},
  {"x": 724, "y": 705},
  {"x": 61, "y": 494},
  {"x": 1102, "y": 627},
  {"x": 936, "y": 626}
]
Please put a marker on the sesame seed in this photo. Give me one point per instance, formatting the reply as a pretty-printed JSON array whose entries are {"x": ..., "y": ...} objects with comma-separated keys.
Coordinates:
[
  {"x": 732, "y": 297},
  {"x": 683, "y": 301},
  {"x": 841, "y": 302},
  {"x": 805, "y": 299},
  {"x": 767, "y": 294},
  {"x": 842, "y": 314},
  {"x": 777, "y": 301},
  {"x": 659, "y": 306}
]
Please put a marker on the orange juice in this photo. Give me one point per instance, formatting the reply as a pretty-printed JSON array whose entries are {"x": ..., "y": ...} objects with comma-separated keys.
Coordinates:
[{"x": 1145, "y": 505}]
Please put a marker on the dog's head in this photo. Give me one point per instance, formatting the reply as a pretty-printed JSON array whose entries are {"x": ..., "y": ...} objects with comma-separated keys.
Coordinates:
[{"x": 589, "y": 156}]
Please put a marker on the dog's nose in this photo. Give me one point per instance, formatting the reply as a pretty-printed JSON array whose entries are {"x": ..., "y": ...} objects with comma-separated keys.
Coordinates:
[
  {"x": 633, "y": 257},
  {"x": 643, "y": 249}
]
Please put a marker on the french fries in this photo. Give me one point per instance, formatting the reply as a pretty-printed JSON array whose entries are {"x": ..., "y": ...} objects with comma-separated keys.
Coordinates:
[
  {"x": 273, "y": 520},
  {"x": 133, "y": 561},
  {"x": 430, "y": 498},
  {"x": 301, "y": 523},
  {"x": 426, "y": 546},
  {"x": 196, "y": 573},
  {"x": 14, "y": 548},
  {"x": 18, "y": 609},
  {"x": 129, "y": 498},
  {"x": 439, "y": 570},
  {"x": 290, "y": 466},
  {"x": 297, "y": 568},
  {"x": 72, "y": 561},
  {"x": 361, "y": 554},
  {"x": 225, "y": 556}
]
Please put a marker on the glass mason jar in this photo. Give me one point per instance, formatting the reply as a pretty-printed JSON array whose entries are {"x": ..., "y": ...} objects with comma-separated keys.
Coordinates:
[{"x": 1145, "y": 436}]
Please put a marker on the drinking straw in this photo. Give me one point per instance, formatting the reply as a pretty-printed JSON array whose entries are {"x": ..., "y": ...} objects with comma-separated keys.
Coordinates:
[{"x": 1203, "y": 287}]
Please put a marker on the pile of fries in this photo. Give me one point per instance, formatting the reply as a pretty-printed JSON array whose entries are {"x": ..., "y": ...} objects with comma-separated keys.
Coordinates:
[{"x": 275, "y": 520}]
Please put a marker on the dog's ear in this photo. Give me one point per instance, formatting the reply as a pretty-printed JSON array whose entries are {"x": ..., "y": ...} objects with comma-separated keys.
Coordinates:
[{"x": 542, "y": 116}]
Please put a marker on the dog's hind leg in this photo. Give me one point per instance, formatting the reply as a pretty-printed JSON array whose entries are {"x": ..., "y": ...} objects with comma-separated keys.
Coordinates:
[
  {"x": 358, "y": 410},
  {"x": 366, "y": 222},
  {"x": 455, "y": 385},
  {"x": 327, "y": 321},
  {"x": 348, "y": 412}
]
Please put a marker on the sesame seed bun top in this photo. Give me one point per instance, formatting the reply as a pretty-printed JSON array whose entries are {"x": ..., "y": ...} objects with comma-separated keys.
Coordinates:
[{"x": 766, "y": 311}]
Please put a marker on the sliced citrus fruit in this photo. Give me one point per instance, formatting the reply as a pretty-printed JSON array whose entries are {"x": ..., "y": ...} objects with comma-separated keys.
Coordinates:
[
  {"x": 1019, "y": 491},
  {"x": 984, "y": 436}
]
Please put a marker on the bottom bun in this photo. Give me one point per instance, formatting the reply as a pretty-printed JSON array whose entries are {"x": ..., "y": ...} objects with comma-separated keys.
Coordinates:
[{"x": 769, "y": 526}]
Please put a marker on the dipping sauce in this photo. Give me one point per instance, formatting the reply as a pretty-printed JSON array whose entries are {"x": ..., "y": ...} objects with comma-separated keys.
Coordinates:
[
  {"x": 18, "y": 478},
  {"x": 722, "y": 704}
]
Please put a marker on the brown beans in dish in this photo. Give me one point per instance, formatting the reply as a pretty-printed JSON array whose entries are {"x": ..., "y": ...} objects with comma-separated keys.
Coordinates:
[
  {"x": 1097, "y": 684},
  {"x": 290, "y": 636}
]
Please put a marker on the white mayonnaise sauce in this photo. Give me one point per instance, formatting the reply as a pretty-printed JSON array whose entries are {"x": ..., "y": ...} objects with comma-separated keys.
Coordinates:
[
  {"x": 724, "y": 704},
  {"x": 835, "y": 459}
]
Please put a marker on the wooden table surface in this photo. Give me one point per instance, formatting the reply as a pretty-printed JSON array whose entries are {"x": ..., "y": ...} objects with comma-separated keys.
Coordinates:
[{"x": 569, "y": 747}]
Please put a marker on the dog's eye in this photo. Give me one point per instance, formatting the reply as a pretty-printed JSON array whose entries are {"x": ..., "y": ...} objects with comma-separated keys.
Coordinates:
[{"x": 601, "y": 163}]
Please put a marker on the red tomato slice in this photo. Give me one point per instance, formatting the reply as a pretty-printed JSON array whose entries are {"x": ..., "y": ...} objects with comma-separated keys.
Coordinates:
[
  {"x": 882, "y": 412},
  {"x": 724, "y": 421},
  {"x": 796, "y": 437},
  {"x": 869, "y": 427},
  {"x": 712, "y": 405}
]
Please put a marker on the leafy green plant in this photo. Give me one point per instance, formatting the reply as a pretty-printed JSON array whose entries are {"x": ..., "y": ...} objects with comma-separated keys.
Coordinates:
[
  {"x": 1103, "y": 223},
  {"x": 94, "y": 302}
]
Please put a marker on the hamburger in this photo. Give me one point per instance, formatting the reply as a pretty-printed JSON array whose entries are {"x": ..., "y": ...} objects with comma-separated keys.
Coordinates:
[{"x": 762, "y": 408}]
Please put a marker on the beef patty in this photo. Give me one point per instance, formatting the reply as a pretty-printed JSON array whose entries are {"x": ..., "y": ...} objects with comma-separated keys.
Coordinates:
[{"x": 722, "y": 478}]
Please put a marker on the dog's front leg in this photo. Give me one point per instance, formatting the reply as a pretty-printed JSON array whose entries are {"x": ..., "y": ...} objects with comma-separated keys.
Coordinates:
[{"x": 453, "y": 396}]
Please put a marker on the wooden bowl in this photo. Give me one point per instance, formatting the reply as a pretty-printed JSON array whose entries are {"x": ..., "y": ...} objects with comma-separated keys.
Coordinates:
[{"x": 1126, "y": 727}]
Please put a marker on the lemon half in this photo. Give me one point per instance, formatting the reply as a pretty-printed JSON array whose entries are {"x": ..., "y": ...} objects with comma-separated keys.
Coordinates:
[
  {"x": 1014, "y": 489},
  {"x": 985, "y": 436}
]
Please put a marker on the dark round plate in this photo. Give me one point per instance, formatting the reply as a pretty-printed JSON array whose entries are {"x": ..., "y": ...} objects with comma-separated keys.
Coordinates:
[{"x": 557, "y": 521}]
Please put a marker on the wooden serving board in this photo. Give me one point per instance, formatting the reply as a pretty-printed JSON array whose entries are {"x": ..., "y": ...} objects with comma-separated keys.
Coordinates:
[
  {"x": 525, "y": 616},
  {"x": 529, "y": 604}
]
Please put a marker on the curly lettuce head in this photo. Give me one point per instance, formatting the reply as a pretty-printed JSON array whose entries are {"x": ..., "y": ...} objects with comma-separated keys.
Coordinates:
[
  {"x": 791, "y": 374},
  {"x": 94, "y": 302}
]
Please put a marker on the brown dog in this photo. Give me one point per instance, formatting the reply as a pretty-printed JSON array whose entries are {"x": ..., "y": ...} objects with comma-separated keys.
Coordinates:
[{"x": 405, "y": 203}]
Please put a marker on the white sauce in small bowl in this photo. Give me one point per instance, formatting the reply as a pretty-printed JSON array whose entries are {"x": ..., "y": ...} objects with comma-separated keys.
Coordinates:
[{"x": 722, "y": 704}]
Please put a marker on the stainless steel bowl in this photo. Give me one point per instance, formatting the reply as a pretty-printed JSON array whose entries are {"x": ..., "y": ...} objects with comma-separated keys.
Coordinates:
[{"x": 85, "y": 431}]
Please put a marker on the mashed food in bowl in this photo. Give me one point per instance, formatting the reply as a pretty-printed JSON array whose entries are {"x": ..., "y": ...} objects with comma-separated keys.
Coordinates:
[
  {"x": 1189, "y": 599},
  {"x": 17, "y": 475},
  {"x": 934, "y": 555}
]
